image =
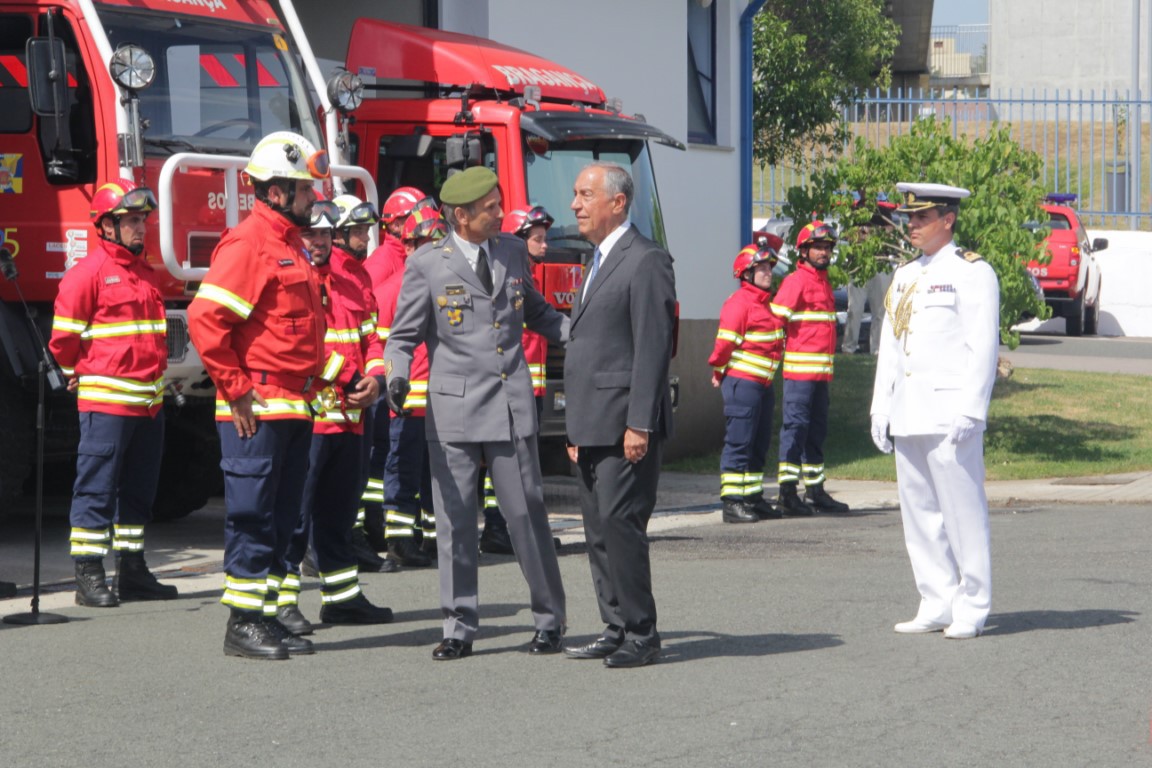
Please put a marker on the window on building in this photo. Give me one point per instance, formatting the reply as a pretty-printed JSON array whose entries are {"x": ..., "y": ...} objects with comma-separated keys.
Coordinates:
[{"x": 701, "y": 72}]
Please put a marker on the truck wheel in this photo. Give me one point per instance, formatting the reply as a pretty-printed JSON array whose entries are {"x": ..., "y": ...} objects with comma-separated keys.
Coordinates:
[
  {"x": 1074, "y": 320},
  {"x": 190, "y": 472},
  {"x": 1092, "y": 318},
  {"x": 18, "y": 446}
]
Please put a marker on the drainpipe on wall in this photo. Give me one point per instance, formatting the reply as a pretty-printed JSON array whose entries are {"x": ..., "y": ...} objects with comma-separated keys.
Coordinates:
[{"x": 746, "y": 118}]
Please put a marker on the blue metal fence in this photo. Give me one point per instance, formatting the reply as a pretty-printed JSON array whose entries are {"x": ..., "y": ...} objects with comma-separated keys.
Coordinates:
[{"x": 1094, "y": 145}]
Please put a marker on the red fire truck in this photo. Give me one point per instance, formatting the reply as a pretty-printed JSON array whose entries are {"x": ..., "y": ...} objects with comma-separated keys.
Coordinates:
[
  {"x": 173, "y": 94},
  {"x": 438, "y": 101}
]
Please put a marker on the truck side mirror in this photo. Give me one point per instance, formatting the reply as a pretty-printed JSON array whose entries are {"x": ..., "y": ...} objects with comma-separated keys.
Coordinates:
[
  {"x": 1100, "y": 244},
  {"x": 47, "y": 76},
  {"x": 462, "y": 151}
]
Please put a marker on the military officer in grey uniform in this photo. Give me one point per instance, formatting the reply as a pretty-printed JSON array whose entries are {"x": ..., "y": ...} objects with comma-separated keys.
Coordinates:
[
  {"x": 934, "y": 378},
  {"x": 469, "y": 297}
]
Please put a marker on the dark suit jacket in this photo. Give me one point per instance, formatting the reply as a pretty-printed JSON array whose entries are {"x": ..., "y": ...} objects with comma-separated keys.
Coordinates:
[
  {"x": 620, "y": 346},
  {"x": 477, "y": 369}
]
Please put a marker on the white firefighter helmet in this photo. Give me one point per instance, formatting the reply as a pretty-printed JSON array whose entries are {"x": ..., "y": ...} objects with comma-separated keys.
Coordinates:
[{"x": 287, "y": 155}]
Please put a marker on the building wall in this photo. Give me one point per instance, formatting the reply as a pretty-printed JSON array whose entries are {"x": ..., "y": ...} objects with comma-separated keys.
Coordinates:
[{"x": 1066, "y": 44}]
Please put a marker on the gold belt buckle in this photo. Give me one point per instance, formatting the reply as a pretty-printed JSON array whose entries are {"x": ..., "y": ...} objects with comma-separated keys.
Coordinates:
[{"x": 328, "y": 398}]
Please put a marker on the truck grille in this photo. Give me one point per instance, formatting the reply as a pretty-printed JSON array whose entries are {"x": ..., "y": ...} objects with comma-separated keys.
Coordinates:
[{"x": 177, "y": 339}]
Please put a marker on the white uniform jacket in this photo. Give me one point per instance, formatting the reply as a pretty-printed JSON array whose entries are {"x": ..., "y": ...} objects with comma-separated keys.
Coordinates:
[{"x": 946, "y": 364}]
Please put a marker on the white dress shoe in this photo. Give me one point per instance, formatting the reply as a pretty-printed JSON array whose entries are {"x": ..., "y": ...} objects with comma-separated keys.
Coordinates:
[
  {"x": 920, "y": 627},
  {"x": 960, "y": 630}
]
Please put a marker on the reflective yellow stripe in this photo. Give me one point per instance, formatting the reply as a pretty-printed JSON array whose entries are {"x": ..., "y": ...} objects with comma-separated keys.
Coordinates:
[
  {"x": 418, "y": 396},
  {"x": 122, "y": 384},
  {"x": 748, "y": 362},
  {"x": 342, "y": 335},
  {"x": 130, "y": 328},
  {"x": 726, "y": 335},
  {"x": 367, "y": 327},
  {"x": 382, "y": 331},
  {"x": 781, "y": 311},
  {"x": 333, "y": 367},
  {"x": 225, "y": 298},
  {"x": 758, "y": 336},
  {"x": 347, "y": 593},
  {"x": 68, "y": 325},
  {"x": 336, "y": 416},
  {"x": 276, "y": 406},
  {"x": 813, "y": 317}
]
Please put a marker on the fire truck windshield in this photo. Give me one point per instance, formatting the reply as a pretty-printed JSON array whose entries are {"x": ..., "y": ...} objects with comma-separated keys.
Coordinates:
[
  {"x": 551, "y": 173},
  {"x": 219, "y": 87}
]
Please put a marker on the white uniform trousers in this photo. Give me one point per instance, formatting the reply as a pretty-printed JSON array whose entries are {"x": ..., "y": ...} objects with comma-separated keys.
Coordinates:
[{"x": 945, "y": 514}]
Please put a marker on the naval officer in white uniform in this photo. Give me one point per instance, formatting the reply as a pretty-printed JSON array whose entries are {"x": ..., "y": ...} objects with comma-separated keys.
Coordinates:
[{"x": 934, "y": 377}]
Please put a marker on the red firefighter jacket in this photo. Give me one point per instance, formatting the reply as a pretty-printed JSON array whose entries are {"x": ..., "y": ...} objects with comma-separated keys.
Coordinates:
[
  {"x": 806, "y": 305},
  {"x": 387, "y": 295},
  {"x": 386, "y": 260},
  {"x": 351, "y": 345},
  {"x": 110, "y": 333},
  {"x": 536, "y": 349},
  {"x": 750, "y": 341},
  {"x": 257, "y": 320}
]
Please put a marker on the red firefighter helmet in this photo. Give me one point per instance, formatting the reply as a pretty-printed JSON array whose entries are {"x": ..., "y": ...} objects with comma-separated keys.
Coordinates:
[
  {"x": 521, "y": 221},
  {"x": 424, "y": 223},
  {"x": 749, "y": 257},
  {"x": 815, "y": 232},
  {"x": 400, "y": 203},
  {"x": 119, "y": 197}
]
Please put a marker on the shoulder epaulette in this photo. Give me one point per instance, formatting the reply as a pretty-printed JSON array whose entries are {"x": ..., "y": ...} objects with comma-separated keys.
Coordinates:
[{"x": 969, "y": 256}]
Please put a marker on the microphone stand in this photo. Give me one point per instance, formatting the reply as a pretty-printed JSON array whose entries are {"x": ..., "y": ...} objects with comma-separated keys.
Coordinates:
[{"x": 8, "y": 269}]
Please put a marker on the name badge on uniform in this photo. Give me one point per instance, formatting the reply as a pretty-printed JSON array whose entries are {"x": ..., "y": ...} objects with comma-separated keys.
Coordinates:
[
  {"x": 454, "y": 290},
  {"x": 286, "y": 262},
  {"x": 111, "y": 280}
]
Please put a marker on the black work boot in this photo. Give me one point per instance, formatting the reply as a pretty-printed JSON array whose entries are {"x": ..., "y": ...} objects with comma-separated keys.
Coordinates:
[
  {"x": 495, "y": 540},
  {"x": 374, "y": 528},
  {"x": 91, "y": 585},
  {"x": 790, "y": 504},
  {"x": 247, "y": 635},
  {"x": 366, "y": 557},
  {"x": 762, "y": 508},
  {"x": 403, "y": 550},
  {"x": 357, "y": 610},
  {"x": 737, "y": 511},
  {"x": 290, "y": 642},
  {"x": 134, "y": 581},
  {"x": 817, "y": 497},
  {"x": 293, "y": 620}
]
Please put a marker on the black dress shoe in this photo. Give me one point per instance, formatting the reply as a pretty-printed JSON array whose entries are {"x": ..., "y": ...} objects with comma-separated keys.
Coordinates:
[
  {"x": 496, "y": 541},
  {"x": 600, "y": 648},
  {"x": 451, "y": 648},
  {"x": 634, "y": 653},
  {"x": 357, "y": 610},
  {"x": 546, "y": 641}
]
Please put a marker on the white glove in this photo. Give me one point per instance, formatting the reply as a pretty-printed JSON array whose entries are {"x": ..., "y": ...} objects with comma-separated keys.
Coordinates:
[
  {"x": 962, "y": 428},
  {"x": 880, "y": 433}
]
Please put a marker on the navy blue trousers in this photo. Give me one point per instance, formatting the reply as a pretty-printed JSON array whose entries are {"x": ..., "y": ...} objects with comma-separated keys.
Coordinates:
[
  {"x": 329, "y": 504},
  {"x": 804, "y": 429},
  {"x": 748, "y": 412}
]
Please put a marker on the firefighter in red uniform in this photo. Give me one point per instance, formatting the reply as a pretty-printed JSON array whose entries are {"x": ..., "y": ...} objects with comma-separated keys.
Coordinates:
[
  {"x": 381, "y": 264},
  {"x": 258, "y": 323},
  {"x": 806, "y": 305},
  {"x": 749, "y": 345},
  {"x": 408, "y": 513},
  {"x": 351, "y": 242},
  {"x": 109, "y": 336},
  {"x": 332, "y": 491},
  {"x": 531, "y": 225}
]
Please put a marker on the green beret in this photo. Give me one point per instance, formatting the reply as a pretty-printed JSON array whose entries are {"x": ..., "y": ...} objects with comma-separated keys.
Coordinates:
[{"x": 468, "y": 186}]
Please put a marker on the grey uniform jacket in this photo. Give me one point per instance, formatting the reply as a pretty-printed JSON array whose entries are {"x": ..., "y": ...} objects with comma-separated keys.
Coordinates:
[
  {"x": 616, "y": 362},
  {"x": 477, "y": 369}
]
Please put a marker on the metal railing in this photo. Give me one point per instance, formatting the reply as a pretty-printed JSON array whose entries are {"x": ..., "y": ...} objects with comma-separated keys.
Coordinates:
[{"x": 1094, "y": 144}]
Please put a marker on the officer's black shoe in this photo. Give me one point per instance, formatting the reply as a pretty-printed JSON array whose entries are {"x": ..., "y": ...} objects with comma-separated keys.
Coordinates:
[
  {"x": 293, "y": 620},
  {"x": 134, "y": 581},
  {"x": 495, "y": 540},
  {"x": 791, "y": 505},
  {"x": 737, "y": 511},
  {"x": 374, "y": 529},
  {"x": 763, "y": 509},
  {"x": 296, "y": 646},
  {"x": 91, "y": 585},
  {"x": 355, "y": 611},
  {"x": 247, "y": 635},
  {"x": 819, "y": 498},
  {"x": 403, "y": 550},
  {"x": 366, "y": 557}
]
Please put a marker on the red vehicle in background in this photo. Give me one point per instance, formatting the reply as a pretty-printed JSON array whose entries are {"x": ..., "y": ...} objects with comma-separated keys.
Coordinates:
[
  {"x": 438, "y": 101},
  {"x": 172, "y": 94},
  {"x": 1071, "y": 278}
]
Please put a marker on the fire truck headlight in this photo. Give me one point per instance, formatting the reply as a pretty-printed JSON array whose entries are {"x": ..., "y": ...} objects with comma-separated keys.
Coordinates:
[
  {"x": 132, "y": 67},
  {"x": 345, "y": 91}
]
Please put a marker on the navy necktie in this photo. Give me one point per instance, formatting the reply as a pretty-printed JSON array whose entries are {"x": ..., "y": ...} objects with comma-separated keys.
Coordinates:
[{"x": 483, "y": 271}]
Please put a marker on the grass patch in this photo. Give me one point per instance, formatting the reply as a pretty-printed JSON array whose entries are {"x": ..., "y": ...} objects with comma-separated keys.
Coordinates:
[{"x": 1041, "y": 423}]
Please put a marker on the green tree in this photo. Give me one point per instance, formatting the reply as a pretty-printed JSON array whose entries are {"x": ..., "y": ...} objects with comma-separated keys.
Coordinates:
[
  {"x": 1006, "y": 194},
  {"x": 810, "y": 59}
]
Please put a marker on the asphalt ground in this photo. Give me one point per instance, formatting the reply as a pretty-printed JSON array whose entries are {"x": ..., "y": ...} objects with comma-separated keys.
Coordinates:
[{"x": 778, "y": 650}]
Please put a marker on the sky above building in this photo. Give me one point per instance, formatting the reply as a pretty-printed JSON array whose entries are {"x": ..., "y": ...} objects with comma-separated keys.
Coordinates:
[{"x": 947, "y": 12}]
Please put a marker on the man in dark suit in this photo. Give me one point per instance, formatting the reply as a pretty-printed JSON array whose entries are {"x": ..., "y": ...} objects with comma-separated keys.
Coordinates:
[
  {"x": 468, "y": 297},
  {"x": 619, "y": 409}
]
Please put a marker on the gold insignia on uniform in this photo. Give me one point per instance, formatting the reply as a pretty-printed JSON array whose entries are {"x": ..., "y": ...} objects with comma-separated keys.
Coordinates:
[
  {"x": 971, "y": 256},
  {"x": 517, "y": 303},
  {"x": 441, "y": 301},
  {"x": 455, "y": 316},
  {"x": 454, "y": 290},
  {"x": 388, "y": 367},
  {"x": 909, "y": 198}
]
